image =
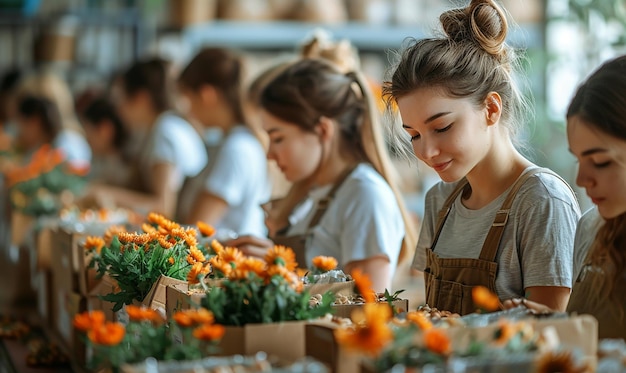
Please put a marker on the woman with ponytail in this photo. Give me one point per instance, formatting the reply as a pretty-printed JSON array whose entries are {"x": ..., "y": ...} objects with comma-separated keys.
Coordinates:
[
  {"x": 496, "y": 219},
  {"x": 326, "y": 140}
]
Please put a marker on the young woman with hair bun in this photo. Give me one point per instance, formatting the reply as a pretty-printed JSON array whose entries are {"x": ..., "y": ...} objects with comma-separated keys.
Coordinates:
[{"x": 496, "y": 219}]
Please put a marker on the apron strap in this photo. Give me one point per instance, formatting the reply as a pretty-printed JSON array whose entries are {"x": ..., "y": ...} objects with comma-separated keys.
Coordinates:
[
  {"x": 445, "y": 210},
  {"x": 492, "y": 242},
  {"x": 323, "y": 203}
]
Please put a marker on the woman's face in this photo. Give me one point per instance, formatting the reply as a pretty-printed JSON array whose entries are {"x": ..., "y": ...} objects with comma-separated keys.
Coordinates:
[
  {"x": 448, "y": 134},
  {"x": 100, "y": 137},
  {"x": 601, "y": 166},
  {"x": 296, "y": 152},
  {"x": 131, "y": 109},
  {"x": 30, "y": 132}
]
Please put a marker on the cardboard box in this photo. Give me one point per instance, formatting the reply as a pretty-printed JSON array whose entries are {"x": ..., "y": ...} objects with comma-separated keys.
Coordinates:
[
  {"x": 344, "y": 288},
  {"x": 44, "y": 294},
  {"x": 178, "y": 298},
  {"x": 284, "y": 340},
  {"x": 157, "y": 297},
  {"x": 21, "y": 226},
  {"x": 106, "y": 286},
  {"x": 321, "y": 345},
  {"x": 345, "y": 310}
]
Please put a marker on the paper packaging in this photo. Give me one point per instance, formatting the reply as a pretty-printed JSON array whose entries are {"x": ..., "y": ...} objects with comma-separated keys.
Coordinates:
[
  {"x": 321, "y": 345},
  {"x": 285, "y": 340},
  {"x": 157, "y": 296},
  {"x": 344, "y": 288},
  {"x": 345, "y": 310}
]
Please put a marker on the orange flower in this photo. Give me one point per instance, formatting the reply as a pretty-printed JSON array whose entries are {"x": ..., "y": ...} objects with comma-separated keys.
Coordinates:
[
  {"x": 419, "y": 319},
  {"x": 205, "y": 229},
  {"x": 281, "y": 255},
  {"x": 113, "y": 231},
  {"x": 103, "y": 214},
  {"x": 183, "y": 319},
  {"x": 194, "y": 272},
  {"x": 196, "y": 254},
  {"x": 171, "y": 260},
  {"x": 301, "y": 272},
  {"x": 505, "y": 332},
  {"x": 94, "y": 243},
  {"x": 371, "y": 334},
  {"x": 221, "y": 266},
  {"x": 191, "y": 317},
  {"x": 191, "y": 260},
  {"x": 143, "y": 314},
  {"x": 484, "y": 299},
  {"x": 254, "y": 265},
  {"x": 148, "y": 228},
  {"x": 190, "y": 237},
  {"x": 88, "y": 320},
  {"x": 325, "y": 263},
  {"x": 231, "y": 255},
  {"x": 217, "y": 247},
  {"x": 363, "y": 285},
  {"x": 209, "y": 332},
  {"x": 437, "y": 341},
  {"x": 107, "y": 334}
]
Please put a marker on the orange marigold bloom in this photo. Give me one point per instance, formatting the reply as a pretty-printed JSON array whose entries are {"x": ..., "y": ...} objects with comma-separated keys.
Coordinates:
[
  {"x": 190, "y": 237},
  {"x": 191, "y": 260},
  {"x": 103, "y": 214},
  {"x": 88, "y": 320},
  {"x": 107, "y": 334},
  {"x": 231, "y": 255},
  {"x": 437, "y": 341},
  {"x": 325, "y": 263},
  {"x": 281, "y": 255},
  {"x": 148, "y": 228},
  {"x": 419, "y": 319},
  {"x": 485, "y": 299},
  {"x": 202, "y": 316},
  {"x": 194, "y": 272},
  {"x": 165, "y": 243},
  {"x": 125, "y": 237},
  {"x": 171, "y": 260},
  {"x": 184, "y": 319},
  {"x": 196, "y": 254},
  {"x": 209, "y": 332},
  {"x": 254, "y": 265},
  {"x": 371, "y": 334},
  {"x": 205, "y": 229},
  {"x": 506, "y": 330},
  {"x": 220, "y": 265},
  {"x": 217, "y": 247},
  {"x": 143, "y": 314},
  {"x": 94, "y": 243},
  {"x": 363, "y": 285}
]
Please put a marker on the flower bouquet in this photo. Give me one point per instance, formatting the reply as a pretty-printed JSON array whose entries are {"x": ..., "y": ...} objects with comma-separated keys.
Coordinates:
[
  {"x": 136, "y": 261},
  {"x": 148, "y": 335},
  {"x": 39, "y": 187}
]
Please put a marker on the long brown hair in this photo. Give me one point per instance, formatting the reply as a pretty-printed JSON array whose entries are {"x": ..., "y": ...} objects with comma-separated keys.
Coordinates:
[
  {"x": 152, "y": 76},
  {"x": 470, "y": 61},
  {"x": 221, "y": 69},
  {"x": 601, "y": 103},
  {"x": 309, "y": 89}
]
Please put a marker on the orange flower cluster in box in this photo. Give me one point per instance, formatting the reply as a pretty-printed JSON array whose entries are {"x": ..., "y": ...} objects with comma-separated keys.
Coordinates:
[
  {"x": 324, "y": 263},
  {"x": 44, "y": 160},
  {"x": 202, "y": 322},
  {"x": 98, "y": 330},
  {"x": 372, "y": 332}
]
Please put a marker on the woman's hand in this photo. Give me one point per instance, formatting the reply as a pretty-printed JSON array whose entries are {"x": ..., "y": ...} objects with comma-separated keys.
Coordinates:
[
  {"x": 251, "y": 246},
  {"x": 533, "y": 306}
]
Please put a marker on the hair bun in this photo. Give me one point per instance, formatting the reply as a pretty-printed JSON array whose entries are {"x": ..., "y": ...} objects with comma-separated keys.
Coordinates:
[
  {"x": 341, "y": 53},
  {"x": 483, "y": 22}
]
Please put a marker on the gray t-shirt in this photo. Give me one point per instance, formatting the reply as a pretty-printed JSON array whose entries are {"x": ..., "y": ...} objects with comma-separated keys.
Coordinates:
[
  {"x": 537, "y": 244},
  {"x": 586, "y": 232}
]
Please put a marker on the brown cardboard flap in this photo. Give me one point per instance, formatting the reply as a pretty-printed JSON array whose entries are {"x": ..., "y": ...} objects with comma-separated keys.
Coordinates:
[
  {"x": 285, "y": 340},
  {"x": 157, "y": 296},
  {"x": 321, "y": 345},
  {"x": 21, "y": 225},
  {"x": 178, "y": 297},
  {"x": 107, "y": 285},
  {"x": 344, "y": 288},
  {"x": 345, "y": 310},
  {"x": 44, "y": 249}
]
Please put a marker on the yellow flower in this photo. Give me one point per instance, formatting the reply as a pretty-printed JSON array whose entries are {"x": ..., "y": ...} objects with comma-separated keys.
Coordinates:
[
  {"x": 325, "y": 263},
  {"x": 281, "y": 255},
  {"x": 484, "y": 299},
  {"x": 148, "y": 228},
  {"x": 371, "y": 333},
  {"x": 196, "y": 254},
  {"x": 171, "y": 260},
  {"x": 231, "y": 255},
  {"x": 363, "y": 285},
  {"x": 194, "y": 272},
  {"x": 221, "y": 266},
  {"x": 209, "y": 332},
  {"x": 165, "y": 243},
  {"x": 217, "y": 247},
  {"x": 205, "y": 229},
  {"x": 419, "y": 319},
  {"x": 107, "y": 334},
  {"x": 94, "y": 243},
  {"x": 254, "y": 265},
  {"x": 437, "y": 341}
]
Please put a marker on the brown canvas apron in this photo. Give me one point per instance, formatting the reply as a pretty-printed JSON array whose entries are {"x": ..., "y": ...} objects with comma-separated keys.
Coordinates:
[
  {"x": 297, "y": 242},
  {"x": 449, "y": 281}
]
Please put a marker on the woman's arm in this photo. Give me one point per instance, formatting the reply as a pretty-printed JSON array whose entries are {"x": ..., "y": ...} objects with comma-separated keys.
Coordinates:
[
  {"x": 377, "y": 268},
  {"x": 553, "y": 297},
  {"x": 207, "y": 208}
]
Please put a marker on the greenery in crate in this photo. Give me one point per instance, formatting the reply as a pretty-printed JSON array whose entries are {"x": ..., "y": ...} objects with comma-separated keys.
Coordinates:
[
  {"x": 137, "y": 260},
  {"x": 37, "y": 188},
  {"x": 259, "y": 290},
  {"x": 148, "y": 335}
]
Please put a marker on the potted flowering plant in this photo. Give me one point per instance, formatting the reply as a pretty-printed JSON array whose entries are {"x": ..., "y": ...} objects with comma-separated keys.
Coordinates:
[
  {"x": 148, "y": 335},
  {"x": 136, "y": 261}
]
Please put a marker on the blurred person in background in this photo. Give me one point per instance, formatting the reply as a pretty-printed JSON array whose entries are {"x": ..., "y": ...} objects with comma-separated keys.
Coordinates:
[
  {"x": 8, "y": 86},
  {"x": 229, "y": 192},
  {"x": 171, "y": 150},
  {"x": 38, "y": 123},
  {"x": 107, "y": 137},
  {"x": 70, "y": 137}
]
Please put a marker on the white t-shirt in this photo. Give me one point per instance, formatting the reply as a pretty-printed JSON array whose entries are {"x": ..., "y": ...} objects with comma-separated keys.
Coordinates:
[
  {"x": 238, "y": 175},
  {"x": 586, "y": 232},
  {"x": 363, "y": 220},
  {"x": 537, "y": 243},
  {"x": 74, "y": 146},
  {"x": 174, "y": 141}
]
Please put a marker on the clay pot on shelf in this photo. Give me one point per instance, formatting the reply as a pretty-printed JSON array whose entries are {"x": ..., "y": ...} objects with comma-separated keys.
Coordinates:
[{"x": 183, "y": 13}]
